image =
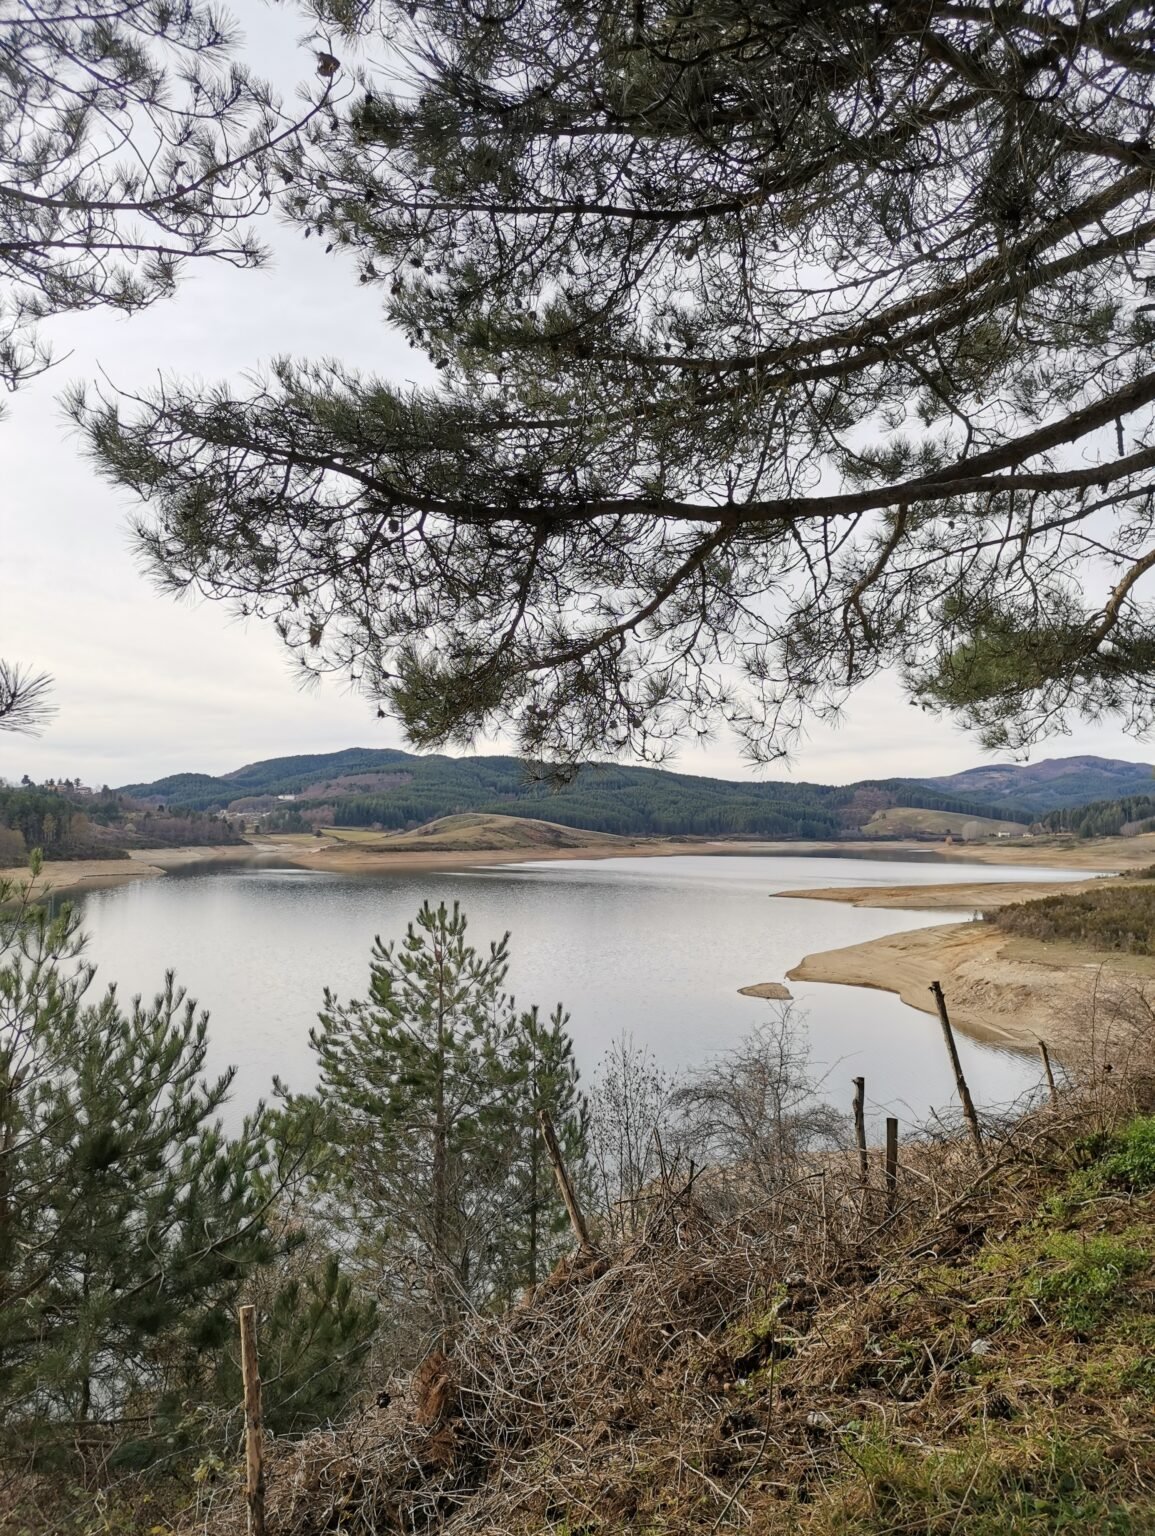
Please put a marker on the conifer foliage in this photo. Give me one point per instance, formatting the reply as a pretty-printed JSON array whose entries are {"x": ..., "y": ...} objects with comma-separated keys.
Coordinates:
[
  {"x": 131, "y": 1224},
  {"x": 130, "y": 141},
  {"x": 778, "y": 342},
  {"x": 427, "y": 1107}
]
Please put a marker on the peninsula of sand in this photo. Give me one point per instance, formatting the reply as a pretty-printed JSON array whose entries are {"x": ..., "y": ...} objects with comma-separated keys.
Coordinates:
[{"x": 1002, "y": 989}]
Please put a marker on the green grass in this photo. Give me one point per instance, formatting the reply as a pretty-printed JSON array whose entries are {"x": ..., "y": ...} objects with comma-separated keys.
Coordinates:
[
  {"x": 994, "y": 1483},
  {"x": 1081, "y": 1278},
  {"x": 1132, "y": 1160}
]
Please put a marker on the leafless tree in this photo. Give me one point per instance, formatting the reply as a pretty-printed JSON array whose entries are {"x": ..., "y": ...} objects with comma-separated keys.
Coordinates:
[
  {"x": 632, "y": 1128},
  {"x": 755, "y": 1109}
]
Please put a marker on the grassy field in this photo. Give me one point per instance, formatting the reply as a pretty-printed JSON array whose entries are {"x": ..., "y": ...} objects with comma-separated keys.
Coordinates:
[{"x": 907, "y": 821}]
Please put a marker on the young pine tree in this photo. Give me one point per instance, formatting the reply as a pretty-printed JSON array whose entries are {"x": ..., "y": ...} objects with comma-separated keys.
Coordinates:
[
  {"x": 427, "y": 1103},
  {"x": 544, "y": 1077},
  {"x": 131, "y": 1225}
]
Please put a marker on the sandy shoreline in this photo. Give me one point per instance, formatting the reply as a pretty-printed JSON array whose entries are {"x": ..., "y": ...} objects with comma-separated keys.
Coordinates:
[
  {"x": 963, "y": 896},
  {"x": 305, "y": 852},
  {"x": 348, "y": 858},
  {"x": 1002, "y": 990},
  {"x": 342, "y": 857},
  {"x": 141, "y": 864}
]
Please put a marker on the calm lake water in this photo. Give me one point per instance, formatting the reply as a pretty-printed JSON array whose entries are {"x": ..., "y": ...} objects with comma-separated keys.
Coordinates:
[{"x": 655, "y": 948}]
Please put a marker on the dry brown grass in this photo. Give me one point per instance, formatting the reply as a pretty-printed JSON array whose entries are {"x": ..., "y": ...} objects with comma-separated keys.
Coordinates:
[
  {"x": 734, "y": 1367},
  {"x": 477, "y": 832}
]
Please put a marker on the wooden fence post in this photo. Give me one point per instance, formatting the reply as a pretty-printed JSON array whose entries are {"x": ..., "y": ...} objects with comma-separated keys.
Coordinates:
[
  {"x": 254, "y": 1440},
  {"x": 1046, "y": 1055},
  {"x": 964, "y": 1092},
  {"x": 576, "y": 1220},
  {"x": 891, "y": 1164},
  {"x": 860, "y": 1130}
]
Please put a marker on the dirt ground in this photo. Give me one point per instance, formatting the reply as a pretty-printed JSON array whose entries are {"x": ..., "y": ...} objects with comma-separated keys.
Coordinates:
[{"x": 960, "y": 897}]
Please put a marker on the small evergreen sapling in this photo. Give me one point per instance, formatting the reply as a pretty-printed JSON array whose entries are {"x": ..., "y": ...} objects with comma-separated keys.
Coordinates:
[
  {"x": 130, "y": 1223},
  {"x": 427, "y": 1101}
]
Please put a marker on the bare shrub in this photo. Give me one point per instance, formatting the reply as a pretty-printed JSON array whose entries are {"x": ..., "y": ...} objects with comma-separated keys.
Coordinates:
[
  {"x": 1111, "y": 1027},
  {"x": 755, "y": 1109},
  {"x": 632, "y": 1121},
  {"x": 638, "y": 1389}
]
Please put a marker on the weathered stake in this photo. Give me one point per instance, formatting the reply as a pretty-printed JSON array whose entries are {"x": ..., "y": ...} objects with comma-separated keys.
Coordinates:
[
  {"x": 576, "y": 1220},
  {"x": 964, "y": 1092},
  {"x": 860, "y": 1129},
  {"x": 254, "y": 1439},
  {"x": 1046, "y": 1055},
  {"x": 891, "y": 1166}
]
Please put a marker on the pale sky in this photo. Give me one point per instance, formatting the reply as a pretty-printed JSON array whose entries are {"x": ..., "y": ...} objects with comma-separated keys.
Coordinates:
[{"x": 147, "y": 686}]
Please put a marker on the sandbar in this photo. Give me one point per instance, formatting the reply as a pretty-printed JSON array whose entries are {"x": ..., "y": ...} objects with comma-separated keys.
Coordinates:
[
  {"x": 1000, "y": 989},
  {"x": 962, "y": 896},
  {"x": 349, "y": 858},
  {"x": 774, "y": 990}
]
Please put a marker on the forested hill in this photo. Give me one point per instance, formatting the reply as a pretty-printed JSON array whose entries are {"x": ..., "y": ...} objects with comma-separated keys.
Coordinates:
[
  {"x": 393, "y": 789},
  {"x": 1105, "y": 818}
]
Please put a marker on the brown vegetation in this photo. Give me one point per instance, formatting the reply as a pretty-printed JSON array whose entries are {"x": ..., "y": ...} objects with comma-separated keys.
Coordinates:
[
  {"x": 1112, "y": 916},
  {"x": 905, "y": 821},
  {"x": 799, "y": 1360}
]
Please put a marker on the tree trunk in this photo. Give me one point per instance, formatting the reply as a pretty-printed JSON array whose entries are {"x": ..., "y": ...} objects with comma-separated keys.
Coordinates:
[
  {"x": 534, "y": 1170},
  {"x": 9, "y": 1082},
  {"x": 440, "y": 1159},
  {"x": 534, "y": 1166}
]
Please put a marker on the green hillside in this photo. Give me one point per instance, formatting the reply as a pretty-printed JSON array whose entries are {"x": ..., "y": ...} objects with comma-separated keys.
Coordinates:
[
  {"x": 1104, "y": 818},
  {"x": 394, "y": 790}
]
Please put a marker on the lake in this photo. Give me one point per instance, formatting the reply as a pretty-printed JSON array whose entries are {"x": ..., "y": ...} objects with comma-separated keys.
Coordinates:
[{"x": 655, "y": 948}]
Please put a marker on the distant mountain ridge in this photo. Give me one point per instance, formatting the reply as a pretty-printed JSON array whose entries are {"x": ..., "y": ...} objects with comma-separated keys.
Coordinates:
[
  {"x": 1050, "y": 785},
  {"x": 392, "y": 789}
]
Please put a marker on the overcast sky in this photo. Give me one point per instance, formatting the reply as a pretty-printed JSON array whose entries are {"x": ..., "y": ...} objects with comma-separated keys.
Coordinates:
[{"x": 146, "y": 685}]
